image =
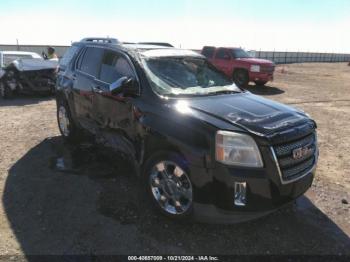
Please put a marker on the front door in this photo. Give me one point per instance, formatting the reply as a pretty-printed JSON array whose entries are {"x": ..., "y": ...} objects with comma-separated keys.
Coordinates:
[{"x": 114, "y": 113}]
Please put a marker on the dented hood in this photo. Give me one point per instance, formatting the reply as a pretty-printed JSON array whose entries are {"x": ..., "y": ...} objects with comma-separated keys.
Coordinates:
[
  {"x": 253, "y": 113},
  {"x": 33, "y": 64}
]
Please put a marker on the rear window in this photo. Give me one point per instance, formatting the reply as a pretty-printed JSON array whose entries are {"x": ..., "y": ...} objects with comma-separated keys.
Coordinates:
[
  {"x": 69, "y": 54},
  {"x": 208, "y": 52},
  {"x": 91, "y": 61}
]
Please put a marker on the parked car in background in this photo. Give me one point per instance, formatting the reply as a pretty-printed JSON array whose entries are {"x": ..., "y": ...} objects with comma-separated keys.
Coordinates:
[
  {"x": 7, "y": 57},
  {"x": 239, "y": 65},
  {"x": 202, "y": 146},
  {"x": 26, "y": 72}
]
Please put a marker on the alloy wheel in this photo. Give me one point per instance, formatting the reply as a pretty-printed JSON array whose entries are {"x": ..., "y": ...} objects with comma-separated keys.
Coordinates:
[{"x": 171, "y": 187}]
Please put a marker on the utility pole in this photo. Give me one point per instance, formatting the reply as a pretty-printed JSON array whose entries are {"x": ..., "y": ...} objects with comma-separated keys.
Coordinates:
[{"x": 17, "y": 44}]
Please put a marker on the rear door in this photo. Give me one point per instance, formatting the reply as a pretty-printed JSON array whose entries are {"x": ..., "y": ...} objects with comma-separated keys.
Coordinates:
[
  {"x": 87, "y": 69},
  {"x": 223, "y": 61}
]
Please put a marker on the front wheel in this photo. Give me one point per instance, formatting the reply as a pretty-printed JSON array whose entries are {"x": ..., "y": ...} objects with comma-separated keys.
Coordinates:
[
  {"x": 169, "y": 185},
  {"x": 260, "y": 83},
  {"x": 241, "y": 78}
]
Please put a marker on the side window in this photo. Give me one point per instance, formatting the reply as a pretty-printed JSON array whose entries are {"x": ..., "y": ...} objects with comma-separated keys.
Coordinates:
[
  {"x": 91, "y": 61},
  {"x": 208, "y": 52},
  {"x": 223, "y": 54},
  {"x": 114, "y": 66}
]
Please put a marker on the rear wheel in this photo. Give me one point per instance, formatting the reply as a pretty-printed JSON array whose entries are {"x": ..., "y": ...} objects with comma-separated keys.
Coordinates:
[
  {"x": 67, "y": 128},
  {"x": 260, "y": 83},
  {"x": 169, "y": 185},
  {"x": 241, "y": 77}
]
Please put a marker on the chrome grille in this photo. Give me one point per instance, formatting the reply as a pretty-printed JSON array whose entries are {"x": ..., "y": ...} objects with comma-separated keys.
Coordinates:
[
  {"x": 283, "y": 150},
  {"x": 292, "y": 168}
]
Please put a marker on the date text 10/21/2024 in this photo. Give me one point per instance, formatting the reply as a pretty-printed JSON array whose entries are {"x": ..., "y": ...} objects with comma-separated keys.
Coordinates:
[{"x": 173, "y": 258}]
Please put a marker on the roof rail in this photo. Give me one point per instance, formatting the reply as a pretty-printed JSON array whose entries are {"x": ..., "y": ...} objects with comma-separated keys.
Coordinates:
[
  {"x": 100, "y": 40},
  {"x": 156, "y": 43}
]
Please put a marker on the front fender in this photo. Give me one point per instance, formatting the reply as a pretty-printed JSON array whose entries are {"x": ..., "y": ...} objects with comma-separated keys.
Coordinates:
[{"x": 181, "y": 134}]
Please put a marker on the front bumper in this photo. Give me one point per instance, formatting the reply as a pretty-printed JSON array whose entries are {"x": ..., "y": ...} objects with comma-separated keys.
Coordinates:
[
  {"x": 214, "y": 191},
  {"x": 263, "y": 77}
]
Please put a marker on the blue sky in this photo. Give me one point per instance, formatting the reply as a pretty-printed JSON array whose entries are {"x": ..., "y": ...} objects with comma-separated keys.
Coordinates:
[{"x": 318, "y": 25}]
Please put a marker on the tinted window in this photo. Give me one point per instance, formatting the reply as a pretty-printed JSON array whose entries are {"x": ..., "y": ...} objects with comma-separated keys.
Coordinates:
[
  {"x": 222, "y": 54},
  {"x": 239, "y": 53},
  {"x": 91, "y": 61},
  {"x": 114, "y": 66},
  {"x": 208, "y": 52}
]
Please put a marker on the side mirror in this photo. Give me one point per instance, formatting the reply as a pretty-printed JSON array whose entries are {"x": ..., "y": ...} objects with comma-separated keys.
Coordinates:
[{"x": 126, "y": 85}]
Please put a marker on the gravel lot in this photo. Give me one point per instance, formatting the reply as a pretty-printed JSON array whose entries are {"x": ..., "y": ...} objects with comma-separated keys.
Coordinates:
[{"x": 95, "y": 207}]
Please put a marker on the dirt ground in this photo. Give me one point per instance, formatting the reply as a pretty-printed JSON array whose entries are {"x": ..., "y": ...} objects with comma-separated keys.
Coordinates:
[{"x": 90, "y": 206}]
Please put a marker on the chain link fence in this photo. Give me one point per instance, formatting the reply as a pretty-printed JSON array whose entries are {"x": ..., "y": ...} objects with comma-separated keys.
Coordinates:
[
  {"x": 276, "y": 56},
  {"x": 300, "y": 57}
]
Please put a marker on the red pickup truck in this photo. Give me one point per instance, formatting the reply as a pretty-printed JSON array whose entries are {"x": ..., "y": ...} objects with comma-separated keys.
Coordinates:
[{"x": 239, "y": 65}]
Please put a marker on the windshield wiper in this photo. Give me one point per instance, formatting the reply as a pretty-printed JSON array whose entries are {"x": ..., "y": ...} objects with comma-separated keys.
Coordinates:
[
  {"x": 203, "y": 94},
  {"x": 185, "y": 95},
  {"x": 223, "y": 92}
]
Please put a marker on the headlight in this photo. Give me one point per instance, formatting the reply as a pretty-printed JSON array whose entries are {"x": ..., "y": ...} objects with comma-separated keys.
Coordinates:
[
  {"x": 255, "y": 68},
  {"x": 237, "y": 149}
]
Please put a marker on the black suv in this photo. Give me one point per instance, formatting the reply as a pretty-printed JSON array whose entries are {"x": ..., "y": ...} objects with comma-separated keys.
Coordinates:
[{"x": 204, "y": 147}]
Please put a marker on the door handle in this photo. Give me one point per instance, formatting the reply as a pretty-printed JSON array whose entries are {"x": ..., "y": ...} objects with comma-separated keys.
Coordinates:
[{"x": 97, "y": 89}]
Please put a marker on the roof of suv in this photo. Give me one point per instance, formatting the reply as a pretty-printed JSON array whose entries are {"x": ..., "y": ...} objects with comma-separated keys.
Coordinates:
[{"x": 147, "y": 50}]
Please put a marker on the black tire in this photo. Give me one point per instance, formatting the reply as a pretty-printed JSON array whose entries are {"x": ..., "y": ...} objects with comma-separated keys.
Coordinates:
[
  {"x": 147, "y": 175},
  {"x": 260, "y": 83},
  {"x": 73, "y": 133},
  {"x": 5, "y": 91},
  {"x": 241, "y": 77}
]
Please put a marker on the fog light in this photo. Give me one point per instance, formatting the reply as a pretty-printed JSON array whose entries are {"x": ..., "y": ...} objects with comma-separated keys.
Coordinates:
[{"x": 240, "y": 194}]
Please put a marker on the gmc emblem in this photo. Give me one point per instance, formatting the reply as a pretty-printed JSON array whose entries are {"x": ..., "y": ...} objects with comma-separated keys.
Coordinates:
[{"x": 301, "y": 152}]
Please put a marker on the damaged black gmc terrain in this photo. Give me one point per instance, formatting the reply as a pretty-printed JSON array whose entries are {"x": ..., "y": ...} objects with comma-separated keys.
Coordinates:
[{"x": 205, "y": 148}]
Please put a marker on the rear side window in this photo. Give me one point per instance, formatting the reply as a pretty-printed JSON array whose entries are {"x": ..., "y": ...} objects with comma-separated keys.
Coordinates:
[
  {"x": 222, "y": 54},
  {"x": 114, "y": 66},
  {"x": 69, "y": 54},
  {"x": 208, "y": 51},
  {"x": 91, "y": 61}
]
